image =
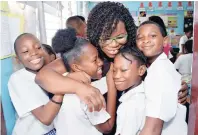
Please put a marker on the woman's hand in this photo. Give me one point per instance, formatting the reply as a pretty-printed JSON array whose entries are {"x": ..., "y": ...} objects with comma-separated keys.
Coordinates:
[
  {"x": 80, "y": 76},
  {"x": 183, "y": 93},
  {"x": 92, "y": 97}
]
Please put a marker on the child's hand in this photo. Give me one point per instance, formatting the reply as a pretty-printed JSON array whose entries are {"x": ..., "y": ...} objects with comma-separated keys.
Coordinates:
[
  {"x": 80, "y": 76},
  {"x": 183, "y": 93},
  {"x": 92, "y": 97}
]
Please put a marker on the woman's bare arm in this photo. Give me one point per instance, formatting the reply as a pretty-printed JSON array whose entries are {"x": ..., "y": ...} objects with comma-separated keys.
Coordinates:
[{"x": 50, "y": 78}]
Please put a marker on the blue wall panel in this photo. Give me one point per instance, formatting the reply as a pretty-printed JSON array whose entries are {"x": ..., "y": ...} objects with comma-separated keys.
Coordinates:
[{"x": 8, "y": 109}]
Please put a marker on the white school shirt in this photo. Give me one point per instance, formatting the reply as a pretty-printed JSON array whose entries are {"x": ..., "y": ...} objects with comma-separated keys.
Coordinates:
[
  {"x": 74, "y": 118},
  {"x": 182, "y": 41},
  {"x": 26, "y": 96},
  {"x": 130, "y": 113},
  {"x": 162, "y": 84},
  {"x": 184, "y": 64}
]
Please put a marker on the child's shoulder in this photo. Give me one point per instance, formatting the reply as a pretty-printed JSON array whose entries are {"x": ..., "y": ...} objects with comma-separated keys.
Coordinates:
[
  {"x": 163, "y": 71},
  {"x": 21, "y": 74},
  {"x": 185, "y": 57},
  {"x": 161, "y": 64},
  {"x": 134, "y": 96},
  {"x": 135, "y": 105}
]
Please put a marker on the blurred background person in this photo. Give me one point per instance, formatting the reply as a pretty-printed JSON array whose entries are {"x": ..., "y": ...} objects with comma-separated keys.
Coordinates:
[{"x": 78, "y": 24}]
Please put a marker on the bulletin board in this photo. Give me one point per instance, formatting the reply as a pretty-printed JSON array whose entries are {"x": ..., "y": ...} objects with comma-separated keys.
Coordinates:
[
  {"x": 170, "y": 20},
  {"x": 11, "y": 27}
]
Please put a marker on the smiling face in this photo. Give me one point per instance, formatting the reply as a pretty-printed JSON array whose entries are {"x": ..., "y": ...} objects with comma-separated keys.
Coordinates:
[
  {"x": 89, "y": 62},
  {"x": 111, "y": 47},
  {"x": 150, "y": 40},
  {"x": 127, "y": 73},
  {"x": 29, "y": 52}
]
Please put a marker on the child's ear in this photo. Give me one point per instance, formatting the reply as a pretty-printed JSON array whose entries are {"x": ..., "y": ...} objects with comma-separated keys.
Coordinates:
[
  {"x": 165, "y": 41},
  {"x": 75, "y": 67},
  {"x": 52, "y": 57},
  {"x": 142, "y": 70},
  {"x": 17, "y": 59}
]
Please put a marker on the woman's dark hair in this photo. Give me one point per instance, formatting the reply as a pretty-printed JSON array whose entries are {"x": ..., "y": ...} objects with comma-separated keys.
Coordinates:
[
  {"x": 159, "y": 21},
  {"x": 68, "y": 45},
  {"x": 188, "y": 46},
  {"x": 49, "y": 49},
  {"x": 160, "y": 28},
  {"x": 103, "y": 19}
]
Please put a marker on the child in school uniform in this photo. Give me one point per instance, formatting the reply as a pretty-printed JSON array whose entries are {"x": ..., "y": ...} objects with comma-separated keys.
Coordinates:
[
  {"x": 74, "y": 118},
  {"x": 162, "y": 82},
  {"x": 184, "y": 62},
  {"x": 35, "y": 110},
  {"x": 128, "y": 72}
]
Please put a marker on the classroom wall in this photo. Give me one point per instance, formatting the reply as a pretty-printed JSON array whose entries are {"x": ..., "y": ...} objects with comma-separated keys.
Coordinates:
[
  {"x": 134, "y": 6},
  {"x": 8, "y": 109}
]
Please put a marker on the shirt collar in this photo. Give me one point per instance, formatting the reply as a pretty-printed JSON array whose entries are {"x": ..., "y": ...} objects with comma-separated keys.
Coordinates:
[
  {"x": 126, "y": 96},
  {"x": 162, "y": 56}
]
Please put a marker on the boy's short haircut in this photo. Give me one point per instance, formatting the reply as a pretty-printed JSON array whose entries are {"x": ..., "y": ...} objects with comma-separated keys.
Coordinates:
[
  {"x": 72, "y": 21},
  {"x": 19, "y": 37},
  {"x": 160, "y": 28},
  {"x": 81, "y": 17},
  {"x": 159, "y": 21},
  {"x": 49, "y": 49}
]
